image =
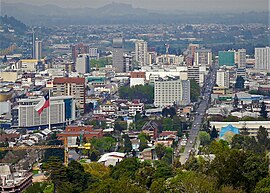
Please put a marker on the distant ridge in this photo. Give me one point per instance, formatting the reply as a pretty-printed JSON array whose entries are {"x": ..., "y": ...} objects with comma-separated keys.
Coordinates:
[{"x": 118, "y": 13}]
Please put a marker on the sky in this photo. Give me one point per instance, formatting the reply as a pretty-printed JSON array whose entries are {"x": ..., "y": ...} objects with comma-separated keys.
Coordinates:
[{"x": 191, "y": 5}]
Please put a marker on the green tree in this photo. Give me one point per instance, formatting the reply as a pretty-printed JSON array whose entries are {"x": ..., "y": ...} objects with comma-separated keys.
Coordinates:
[
  {"x": 263, "y": 112},
  {"x": 263, "y": 186},
  {"x": 194, "y": 91},
  {"x": 262, "y": 137},
  {"x": 103, "y": 144},
  {"x": 168, "y": 112},
  {"x": 204, "y": 138},
  {"x": 213, "y": 133},
  {"x": 240, "y": 83},
  {"x": 160, "y": 150},
  {"x": 167, "y": 124},
  {"x": 58, "y": 172},
  {"x": 127, "y": 143}
]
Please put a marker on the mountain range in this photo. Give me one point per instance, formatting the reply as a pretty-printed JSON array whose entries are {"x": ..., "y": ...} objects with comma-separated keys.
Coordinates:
[{"x": 117, "y": 13}]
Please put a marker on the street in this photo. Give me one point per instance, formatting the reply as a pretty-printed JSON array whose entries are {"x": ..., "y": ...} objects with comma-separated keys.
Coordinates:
[{"x": 200, "y": 113}]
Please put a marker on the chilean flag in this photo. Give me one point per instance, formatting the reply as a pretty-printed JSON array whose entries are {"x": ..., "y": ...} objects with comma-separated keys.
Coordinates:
[{"x": 43, "y": 104}]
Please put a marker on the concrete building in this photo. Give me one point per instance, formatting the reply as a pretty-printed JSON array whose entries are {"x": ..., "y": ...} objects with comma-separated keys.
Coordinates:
[
  {"x": 128, "y": 60},
  {"x": 241, "y": 58},
  {"x": 170, "y": 92},
  {"x": 79, "y": 49},
  {"x": 118, "y": 55},
  {"x": 137, "y": 78},
  {"x": 70, "y": 87},
  {"x": 262, "y": 58},
  {"x": 141, "y": 52},
  {"x": 134, "y": 107},
  {"x": 169, "y": 59},
  {"x": 83, "y": 63},
  {"x": 38, "y": 50},
  {"x": 203, "y": 57},
  {"x": 14, "y": 181},
  {"x": 62, "y": 111},
  {"x": 223, "y": 78},
  {"x": 193, "y": 72},
  {"x": 93, "y": 53}
]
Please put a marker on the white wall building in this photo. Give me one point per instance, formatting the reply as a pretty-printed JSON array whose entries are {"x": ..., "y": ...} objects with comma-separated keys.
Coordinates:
[
  {"x": 169, "y": 92},
  {"x": 38, "y": 50},
  {"x": 223, "y": 78},
  {"x": 203, "y": 57},
  {"x": 62, "y": 110},
  {"x": 262, "y": 58}
]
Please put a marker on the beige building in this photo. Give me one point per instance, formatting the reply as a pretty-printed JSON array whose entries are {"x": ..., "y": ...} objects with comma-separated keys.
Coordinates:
[
  {"x": 8, "y": 76},
  {"x": 70, "y": 87}
]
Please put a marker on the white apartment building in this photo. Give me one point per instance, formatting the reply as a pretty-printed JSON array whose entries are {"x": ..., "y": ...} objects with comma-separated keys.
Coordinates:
[
  {"x": 262, "y": 58},
  {"x": 169, "y": 59},
  {"x": 134, "y": 107},
  {"x": 169, "y": 92},
  {"x": 203, "y": 57},
  {"x": 93, "y": 53},
  {"x": 141, "y": 52},
  {"x": 223, "y": 78},
  {"x": 38, "y": 50}
]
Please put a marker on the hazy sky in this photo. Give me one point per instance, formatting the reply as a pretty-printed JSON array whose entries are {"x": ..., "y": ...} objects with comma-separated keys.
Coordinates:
[{"x": 196, "y": 5}]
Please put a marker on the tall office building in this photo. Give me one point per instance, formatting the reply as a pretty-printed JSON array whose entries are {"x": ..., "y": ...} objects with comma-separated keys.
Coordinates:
[
  {"x": 226, "y": 58},
  {"x": 203, "y": 57},
  {"x": 241, "y": 59},
  {"x": 118, "y": 55},
  {"x": 83, "y": 63},
  {"x": 193, "y": 72},
  {"x": 262, "y": 58},
  {"x": 33, "y": 44},
  {"x": 70, "y": 87},
  {"x": 141, "y": 52},
  {"x": 170, "y": 92},
  {"x": 79, "y": 49},
  {"x": 38, "y": 50},
  {"x": 223, "y": 78}
]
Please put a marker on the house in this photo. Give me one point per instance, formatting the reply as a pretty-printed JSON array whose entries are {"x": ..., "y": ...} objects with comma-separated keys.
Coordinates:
[
  {"x": 112, "y": 158},
  {"x": 151, "y": 128},
  {"x": 149, "y": 154},
  {"x": 135, "y": 106}
]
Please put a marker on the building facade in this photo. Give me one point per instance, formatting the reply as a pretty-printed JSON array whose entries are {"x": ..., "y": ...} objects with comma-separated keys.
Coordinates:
[
  {"x": 141, "y": 52},
  {"x": 70, "y": 87},
  {"x": 170, "y": 92},
  {"x": 262, "y": 58},
  {"x": 79, "y": 49},
  {"x": 38, "y": 50},
  {"x": 226, "y": 58},
  {"x": 61, "y": 111},
  {"x": 223, "y": 78},
  {"x": 118, "y": 55},
  {"x": 203, "y": 57},
  {"x": 83, "y": 63}
]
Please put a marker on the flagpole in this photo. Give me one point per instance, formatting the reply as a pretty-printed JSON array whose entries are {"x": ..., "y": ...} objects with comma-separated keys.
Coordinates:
[{"x": 49, "y": 108}]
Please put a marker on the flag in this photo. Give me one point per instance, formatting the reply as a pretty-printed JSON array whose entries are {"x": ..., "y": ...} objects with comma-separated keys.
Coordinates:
[{"x": 43, "y": 103}]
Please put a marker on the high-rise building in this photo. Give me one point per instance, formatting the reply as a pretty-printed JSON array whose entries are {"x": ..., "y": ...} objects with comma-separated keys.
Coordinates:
[
  {"x": 93, "y": 53},
  {"x": 70, "y": 87},
  {"x": 118, "y": 55},
  {"x": 262, "y": 58},
  {"x": 223, "y": 78},
  {"x": 38, "y": 50},
  {"x": 170, "y": 92},
  {"x": 83, "y": 63},
  {"x": 193, "y": 72},
  {"x": 203, "y": 57},
  {"x": 79, "y": 49},
  {"x": 33, "y": 44},
  {"x": 128, "y": 59},
  {"x": 226, "y": 58},
  {"x": 141, "y": 52},
  {"x": 62, "y": 110},
  {"x": 241, "y": 58}
]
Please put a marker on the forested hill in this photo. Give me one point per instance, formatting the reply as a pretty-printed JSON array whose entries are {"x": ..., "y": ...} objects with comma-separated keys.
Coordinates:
[{"x": 8, "y": 24}]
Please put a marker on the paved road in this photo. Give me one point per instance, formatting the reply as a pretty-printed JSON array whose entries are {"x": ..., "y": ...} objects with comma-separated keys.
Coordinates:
[{"x": 200, "y": 112}]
